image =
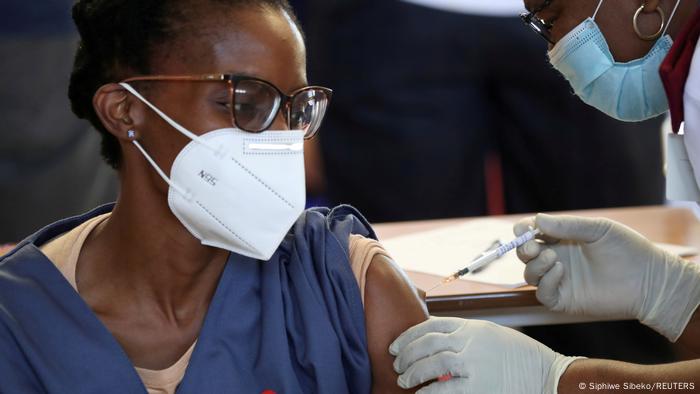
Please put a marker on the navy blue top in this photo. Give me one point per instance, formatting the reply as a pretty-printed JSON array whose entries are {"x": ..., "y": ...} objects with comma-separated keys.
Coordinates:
[{"x": 293, "y": 324}]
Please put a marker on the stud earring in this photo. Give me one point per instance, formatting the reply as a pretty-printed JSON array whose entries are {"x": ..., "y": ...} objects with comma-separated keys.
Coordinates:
[{"x": 131, "y": 134}]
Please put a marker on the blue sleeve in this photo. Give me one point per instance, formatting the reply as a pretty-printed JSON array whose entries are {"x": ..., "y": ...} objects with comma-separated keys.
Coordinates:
[{"x": 324, "y": 234}]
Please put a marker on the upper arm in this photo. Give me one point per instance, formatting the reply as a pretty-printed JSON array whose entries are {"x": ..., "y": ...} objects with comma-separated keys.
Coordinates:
[
  {"x": 392, "y": 305},
  {"x": 691, "y": 335}
]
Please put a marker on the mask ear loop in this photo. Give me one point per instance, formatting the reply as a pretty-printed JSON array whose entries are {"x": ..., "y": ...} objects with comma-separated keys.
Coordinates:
[
  {"x": 600, "y": 3},
  {"x": 166, "y": 118},
  {"x": 678, "y": 2},
  {"x": 174, "y": 124},
  {"x": 160, "y": 172}
]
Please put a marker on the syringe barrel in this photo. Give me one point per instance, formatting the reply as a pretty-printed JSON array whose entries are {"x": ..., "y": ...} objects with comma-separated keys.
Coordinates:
[
  {"x": 528, "y": 236},
  {"x": 483, "y": 260},
  {"x": 500, "y": 251}
]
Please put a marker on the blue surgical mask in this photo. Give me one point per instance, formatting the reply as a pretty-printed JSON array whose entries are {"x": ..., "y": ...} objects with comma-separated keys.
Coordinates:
[{"x": 630, "y": 91}]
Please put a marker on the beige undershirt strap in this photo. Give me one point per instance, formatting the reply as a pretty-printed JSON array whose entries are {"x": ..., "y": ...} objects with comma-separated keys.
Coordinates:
[
  {"x": 64, "y": 250},
  {"x": 362, "y": 251},
  {"x": 165, "y": 381}
]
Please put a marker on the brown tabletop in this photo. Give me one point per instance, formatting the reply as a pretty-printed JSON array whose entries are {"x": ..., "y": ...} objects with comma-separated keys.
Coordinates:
[{"x": 658, "y": 223}]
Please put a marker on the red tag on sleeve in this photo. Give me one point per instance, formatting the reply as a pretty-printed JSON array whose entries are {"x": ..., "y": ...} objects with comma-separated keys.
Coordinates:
[{"x": 445, "y": 377}]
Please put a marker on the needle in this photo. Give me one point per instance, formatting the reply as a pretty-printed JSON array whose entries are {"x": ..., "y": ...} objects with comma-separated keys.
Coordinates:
[{"x": 488, "y": 257}]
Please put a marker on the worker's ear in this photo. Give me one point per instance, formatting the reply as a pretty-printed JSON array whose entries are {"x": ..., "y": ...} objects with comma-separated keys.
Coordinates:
[
  {"x": 651, "y": 5},
  {"x": 118, "y": 111}
]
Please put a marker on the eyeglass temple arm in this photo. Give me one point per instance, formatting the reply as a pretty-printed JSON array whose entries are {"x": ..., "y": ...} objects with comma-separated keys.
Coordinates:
[{"x": 204, "y": 77}]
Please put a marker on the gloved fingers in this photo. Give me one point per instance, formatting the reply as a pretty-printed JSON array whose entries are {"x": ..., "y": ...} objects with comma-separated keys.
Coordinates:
[
  {"x": 443, "y": 325},
  {"x": 548, "y": 288},
  {"x": 573, "y": 228},
  {"x": 431, "y": 368},
  {"x": 425, "y": 346},
  {"x": 539, "y": 266},
  {"x": 523, "y": 225},
  {"x": 452, "y": 386},
  {"x": 528, "y": 251}
]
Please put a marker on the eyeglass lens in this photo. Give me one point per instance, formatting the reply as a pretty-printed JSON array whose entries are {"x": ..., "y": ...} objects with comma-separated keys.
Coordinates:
[
  {"x": 541, "y": 28},
  {"x": 307, "y": 111},
  {"x": 256, "y": 104},
  {"x": 536, "y": 24}
]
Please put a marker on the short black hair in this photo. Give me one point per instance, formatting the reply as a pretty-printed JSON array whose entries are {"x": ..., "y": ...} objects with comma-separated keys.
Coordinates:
[{"x": 118, "y": 39}]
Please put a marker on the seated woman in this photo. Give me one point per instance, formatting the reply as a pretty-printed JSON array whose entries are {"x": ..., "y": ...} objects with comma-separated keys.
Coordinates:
[{"x": 206, "y": 276}]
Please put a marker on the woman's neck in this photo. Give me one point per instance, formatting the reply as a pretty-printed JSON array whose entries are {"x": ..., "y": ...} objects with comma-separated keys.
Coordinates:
[{"x": 146, "y": 254}]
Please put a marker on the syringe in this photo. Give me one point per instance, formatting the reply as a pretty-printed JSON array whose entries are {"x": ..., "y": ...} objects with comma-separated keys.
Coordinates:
[{"x": 488, "y": 257}]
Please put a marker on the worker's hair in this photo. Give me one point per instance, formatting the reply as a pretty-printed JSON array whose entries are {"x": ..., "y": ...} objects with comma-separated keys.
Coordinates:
[{"x": 118, "y": 39}]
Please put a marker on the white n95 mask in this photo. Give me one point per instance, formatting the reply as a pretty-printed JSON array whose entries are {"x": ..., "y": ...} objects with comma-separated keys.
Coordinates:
[{"x": 236, "y": 190}]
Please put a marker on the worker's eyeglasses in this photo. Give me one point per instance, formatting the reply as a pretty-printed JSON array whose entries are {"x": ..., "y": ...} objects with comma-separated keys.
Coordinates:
[
  {"x": 538, "y": 25},
  {"x": 255, "y": 103}
]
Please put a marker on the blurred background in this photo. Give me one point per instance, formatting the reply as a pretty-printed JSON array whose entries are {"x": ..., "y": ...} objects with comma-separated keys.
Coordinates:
[
  {"x": 441, "y": 108},
  {"x": 450, "y": 108},
  {"x": 50, "y": 163}
]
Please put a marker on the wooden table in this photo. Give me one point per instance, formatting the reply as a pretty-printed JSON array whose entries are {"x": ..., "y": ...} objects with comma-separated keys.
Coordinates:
[{"x": 519, "y": 307}]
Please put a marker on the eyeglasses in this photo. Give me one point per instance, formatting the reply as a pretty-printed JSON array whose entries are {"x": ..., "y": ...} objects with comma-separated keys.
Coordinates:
[
  {"x": 255, "y": 103},
  {"x": 538, "y": 25}
]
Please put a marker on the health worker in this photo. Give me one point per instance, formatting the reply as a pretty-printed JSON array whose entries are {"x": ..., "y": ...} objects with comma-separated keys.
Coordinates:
[{"x": 632, "y": 60}]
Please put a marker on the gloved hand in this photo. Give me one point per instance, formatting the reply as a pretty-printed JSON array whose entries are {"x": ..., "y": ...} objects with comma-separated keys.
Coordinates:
[
  {"x": 599, "y": 267},
  {"x": 483, "y": 358}
]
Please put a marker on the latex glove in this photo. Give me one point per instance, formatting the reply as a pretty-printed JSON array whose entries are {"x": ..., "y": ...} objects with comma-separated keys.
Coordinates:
[
  {"x": 598, "y": 267},
  {"x": 483, "y": 358}
]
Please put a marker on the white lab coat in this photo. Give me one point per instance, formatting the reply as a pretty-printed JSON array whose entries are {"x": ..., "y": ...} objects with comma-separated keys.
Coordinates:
[{"x": 691, "y": 109}]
